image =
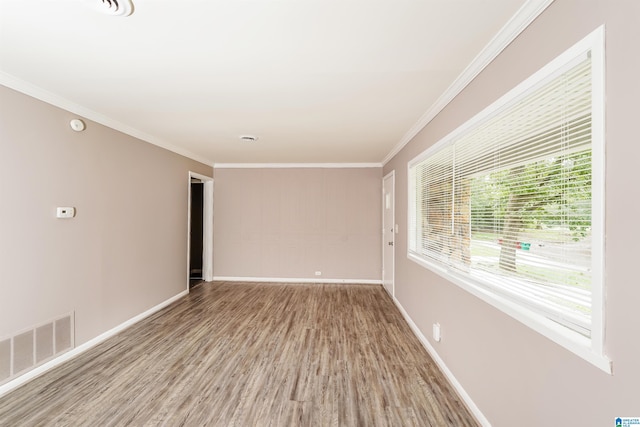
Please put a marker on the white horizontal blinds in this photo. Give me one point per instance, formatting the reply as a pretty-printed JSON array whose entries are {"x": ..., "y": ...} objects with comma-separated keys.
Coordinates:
[
  {"x": 555, "y": 116},
  {"x": 531, "y": 198},
  {"x": 435, "y": 177},
  {"x": 412, "y": 239},
  {"x": 509, "y": 201}
]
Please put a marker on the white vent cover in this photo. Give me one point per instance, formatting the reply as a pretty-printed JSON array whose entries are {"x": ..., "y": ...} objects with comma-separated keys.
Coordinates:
[
  {"x": 34, "y": 346},
  {"x": 116, "y": 7}
]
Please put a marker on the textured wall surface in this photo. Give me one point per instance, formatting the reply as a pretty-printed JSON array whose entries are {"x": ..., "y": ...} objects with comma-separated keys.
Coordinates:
[
  {"x": 290, "y": 223},
  {"x": 126, "y": 249}
]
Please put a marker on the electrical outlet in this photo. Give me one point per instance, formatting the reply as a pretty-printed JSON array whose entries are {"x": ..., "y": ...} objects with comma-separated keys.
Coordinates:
[
  {"x": 436, "y": 332},
  {"x": 318, "y": 273}
]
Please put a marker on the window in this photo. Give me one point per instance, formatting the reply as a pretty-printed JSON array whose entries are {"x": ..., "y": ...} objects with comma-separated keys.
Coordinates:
[{"x": 509, "y": 206}]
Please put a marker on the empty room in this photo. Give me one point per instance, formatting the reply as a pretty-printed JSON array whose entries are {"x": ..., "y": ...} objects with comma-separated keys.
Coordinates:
[{"x": 305, "y": 213}]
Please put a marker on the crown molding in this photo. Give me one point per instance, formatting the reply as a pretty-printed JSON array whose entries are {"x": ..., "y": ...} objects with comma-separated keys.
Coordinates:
[
  {"x": 518, "y": 22},
  {"x": 295, "y": 165},
  {"x": 44, "y": 95}
]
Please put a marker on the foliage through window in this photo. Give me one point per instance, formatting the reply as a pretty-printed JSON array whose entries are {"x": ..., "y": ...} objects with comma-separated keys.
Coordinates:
[{"x": 506, "y": 202}]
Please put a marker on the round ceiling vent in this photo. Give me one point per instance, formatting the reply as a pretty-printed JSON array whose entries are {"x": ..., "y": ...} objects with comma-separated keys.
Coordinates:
[{"x": 116, "y": 7}]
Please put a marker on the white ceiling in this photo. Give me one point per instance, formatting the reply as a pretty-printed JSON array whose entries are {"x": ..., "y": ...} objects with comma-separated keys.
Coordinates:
[{"x": 317, "y": 81}]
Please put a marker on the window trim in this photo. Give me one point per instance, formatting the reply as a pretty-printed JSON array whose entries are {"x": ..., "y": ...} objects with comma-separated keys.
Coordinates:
[{"x": 589, "y": 349}]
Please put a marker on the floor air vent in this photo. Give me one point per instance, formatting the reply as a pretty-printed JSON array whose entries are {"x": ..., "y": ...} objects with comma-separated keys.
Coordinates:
[{"x": 32, "y": 347}]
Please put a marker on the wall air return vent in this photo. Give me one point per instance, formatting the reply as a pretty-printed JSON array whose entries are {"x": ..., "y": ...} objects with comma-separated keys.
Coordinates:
[
  {"x": 116, "y": 7},
  {"x": 31, "y": 347}
]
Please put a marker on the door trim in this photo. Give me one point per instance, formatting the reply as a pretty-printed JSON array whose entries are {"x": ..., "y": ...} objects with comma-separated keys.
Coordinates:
[
  {"x": 392, "y": 176},
  {"x": 207, "y": 227}
]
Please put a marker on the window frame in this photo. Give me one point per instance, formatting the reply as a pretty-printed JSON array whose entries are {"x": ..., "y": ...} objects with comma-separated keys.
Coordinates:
[{"x": 590, "y": 349}]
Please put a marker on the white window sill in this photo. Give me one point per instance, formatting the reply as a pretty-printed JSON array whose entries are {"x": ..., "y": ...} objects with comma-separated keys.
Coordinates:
[{"x": 563, "y": 336}]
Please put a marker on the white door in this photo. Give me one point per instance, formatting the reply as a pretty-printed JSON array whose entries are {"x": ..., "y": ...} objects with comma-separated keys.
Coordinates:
[{"x": 388, "y": 234}]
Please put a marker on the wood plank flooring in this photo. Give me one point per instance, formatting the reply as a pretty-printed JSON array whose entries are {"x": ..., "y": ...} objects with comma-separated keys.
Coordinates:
[{"x": 243, "y": 354}]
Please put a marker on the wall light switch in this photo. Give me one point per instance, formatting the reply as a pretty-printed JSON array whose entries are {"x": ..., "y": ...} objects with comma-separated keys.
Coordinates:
[{"x": 65, "y": 212}]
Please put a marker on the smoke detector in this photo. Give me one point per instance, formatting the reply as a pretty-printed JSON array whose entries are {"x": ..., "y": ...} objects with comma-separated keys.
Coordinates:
[{"x": 116, "y": 7}]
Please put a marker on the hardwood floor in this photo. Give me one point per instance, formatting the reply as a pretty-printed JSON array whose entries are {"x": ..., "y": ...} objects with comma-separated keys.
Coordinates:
[{"x": 242, "y": 354}]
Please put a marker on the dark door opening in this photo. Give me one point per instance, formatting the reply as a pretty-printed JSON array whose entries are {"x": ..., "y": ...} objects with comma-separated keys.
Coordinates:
[{"x": 196, "y": 233}]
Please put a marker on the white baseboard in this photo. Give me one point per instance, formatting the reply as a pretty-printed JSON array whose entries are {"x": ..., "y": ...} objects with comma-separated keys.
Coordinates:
[
  {"x": 36, "y": 372},
  {"x": 443, "y": 367},
  {"x": 295, "y": 280}
]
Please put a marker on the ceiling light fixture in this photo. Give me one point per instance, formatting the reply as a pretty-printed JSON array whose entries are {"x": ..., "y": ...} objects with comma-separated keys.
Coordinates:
[
  {"x": 116, "y": 7},
  {"x": 248, "y": 138}
]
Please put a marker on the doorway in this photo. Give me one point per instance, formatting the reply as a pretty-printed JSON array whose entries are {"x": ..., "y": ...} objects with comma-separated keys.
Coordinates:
[
  {"x": 200, "y": 230},
  {"x": 197, "y": 232},
  {"x": 388, "y": 233}
]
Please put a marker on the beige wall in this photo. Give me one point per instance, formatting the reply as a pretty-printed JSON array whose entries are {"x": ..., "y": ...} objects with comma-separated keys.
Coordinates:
[
  {"x": 123, "y": 253},
  {"x": 516, "y": 376},
  {"x": 290, "y": 223}
]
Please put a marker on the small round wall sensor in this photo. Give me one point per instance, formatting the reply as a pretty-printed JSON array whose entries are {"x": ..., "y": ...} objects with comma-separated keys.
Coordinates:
[{"x": 77, "y": 125}]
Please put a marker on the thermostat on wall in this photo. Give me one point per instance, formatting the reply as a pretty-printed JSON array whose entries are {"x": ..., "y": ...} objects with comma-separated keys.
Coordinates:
[{"x": 65, "y": 212}]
